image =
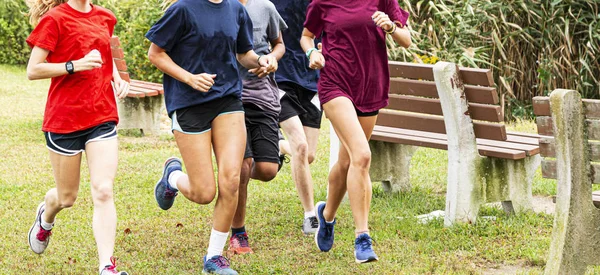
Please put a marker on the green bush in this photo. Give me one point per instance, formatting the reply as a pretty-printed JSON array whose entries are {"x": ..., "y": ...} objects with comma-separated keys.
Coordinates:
[{"x": 14, "y": 29}]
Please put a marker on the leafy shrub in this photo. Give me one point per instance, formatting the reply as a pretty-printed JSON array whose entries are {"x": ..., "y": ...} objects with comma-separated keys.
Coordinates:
[{"x": 14, "y": 29}]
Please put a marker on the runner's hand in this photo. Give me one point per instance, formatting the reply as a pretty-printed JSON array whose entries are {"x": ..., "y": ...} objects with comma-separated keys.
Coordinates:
[
  {"x": 90, "y": 61},
  {"x": 317, "y": 60},
  {"x": 201, "y": 82},
  {"x": 382, "y": 20},
  {"x": 121, "y": 87},
  {"x": 268, "y": 64}
]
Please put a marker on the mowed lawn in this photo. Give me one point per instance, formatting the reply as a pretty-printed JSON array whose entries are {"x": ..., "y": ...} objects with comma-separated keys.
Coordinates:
[{"x": 152, "y": 241}]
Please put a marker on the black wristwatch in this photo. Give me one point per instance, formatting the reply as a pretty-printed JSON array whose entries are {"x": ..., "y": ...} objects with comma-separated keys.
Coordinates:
[{"x": 69, "y": 67}]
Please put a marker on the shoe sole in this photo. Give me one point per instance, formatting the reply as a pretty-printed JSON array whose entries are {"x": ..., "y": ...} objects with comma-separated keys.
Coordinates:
[
  {"x": 162, "y": 176},
  {"x": 237, "y": 252},
  {"x": 319, "y": 226},
  {"x": 37, "y": 217},
  {"x": 364, "y": 261}
]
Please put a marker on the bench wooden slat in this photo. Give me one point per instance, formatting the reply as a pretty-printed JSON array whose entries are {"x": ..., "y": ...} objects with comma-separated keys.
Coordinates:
[
  {"x": 422, "y": 141},
  {"x": 436, "y": 124},
  {"x": 148, "y": 85},
  {"x": 125, "y": 76},
  {"x": 147, "y": 92},
  {"x": 470, "y": 76},
  {"x": 439, "y": 141},
  {"x": 475, "y": 94},
  {"x": 530, "y": 150},
  {"x": 135, "y": 94},
  {"x": 484, "y": 112},
  {"x": 548, "y": 148},
  {"x": 121, "y": 65},
  {"x": 544, "y": 126},
  {"x": 591, "y": 107},
  {"x": 510, "y": 137},
  {"x": 118, "y": 53},
  {"x": 490, "y": 144},
  {"x": 549, "y": 170},
  {"x": 114, "y": 42}
]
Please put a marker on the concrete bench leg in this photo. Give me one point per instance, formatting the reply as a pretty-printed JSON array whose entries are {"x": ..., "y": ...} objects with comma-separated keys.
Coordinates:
[
  {"x": 509, "y": 181},
  {"x": 576, "y": 236},
  {"x": 140, "y": 113},
  {"x": 390, "y": 164}
]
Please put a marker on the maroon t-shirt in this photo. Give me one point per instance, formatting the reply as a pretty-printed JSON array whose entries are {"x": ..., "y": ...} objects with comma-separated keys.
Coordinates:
[{"x": 356, "y": 61}]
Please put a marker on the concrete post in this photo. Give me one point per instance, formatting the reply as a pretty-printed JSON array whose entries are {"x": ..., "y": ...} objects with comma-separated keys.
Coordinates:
[
  {"x": 465, "y": 192},
  {"x": 575, "y": 237}
]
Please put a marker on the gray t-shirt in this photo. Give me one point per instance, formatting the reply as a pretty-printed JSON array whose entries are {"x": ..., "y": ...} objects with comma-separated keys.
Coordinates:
[{"x": 267, "y": 25}]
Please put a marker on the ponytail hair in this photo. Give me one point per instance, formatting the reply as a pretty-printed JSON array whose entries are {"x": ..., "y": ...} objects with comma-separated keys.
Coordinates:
[{"x": 37, "y": 8}]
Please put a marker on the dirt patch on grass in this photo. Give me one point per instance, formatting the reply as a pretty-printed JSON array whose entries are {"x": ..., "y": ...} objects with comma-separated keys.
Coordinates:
[{"x": 543, "y": 204}]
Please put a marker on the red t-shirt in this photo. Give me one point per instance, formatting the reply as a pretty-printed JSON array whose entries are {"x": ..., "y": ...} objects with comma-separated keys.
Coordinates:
[
  {"x": 85, "y": 99},
  {"x": 356, "y": 61}
]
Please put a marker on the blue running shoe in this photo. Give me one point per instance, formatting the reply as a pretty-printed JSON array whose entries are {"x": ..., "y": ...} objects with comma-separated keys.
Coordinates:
[
  {"x": 324, "y": 235},
  {"x": 217, "y": 265},
  {"x": 164, "y": 194},
  {"x": 363, "y": 249}
]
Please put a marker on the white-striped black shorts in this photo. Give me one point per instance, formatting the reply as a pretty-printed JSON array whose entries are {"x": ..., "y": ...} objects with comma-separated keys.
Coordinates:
[{"x": 74, "y": 143}]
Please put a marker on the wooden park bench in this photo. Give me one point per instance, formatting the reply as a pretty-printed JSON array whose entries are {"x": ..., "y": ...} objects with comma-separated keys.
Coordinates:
[
  {"x": 570, "y": 125},
  {"x": 142, "y": 106},
  {"x": 454, "y": 109}
]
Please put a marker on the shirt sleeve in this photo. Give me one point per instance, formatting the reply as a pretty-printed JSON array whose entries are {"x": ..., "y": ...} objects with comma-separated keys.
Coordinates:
[
  {"x": 169, "y": 29},
  {"x": 45, "y": 34},
  {"x": 245, "y": 37},
  {"x": 111, "y": 24},
  {"x": 314, "y": 19},
  {"x": 396, "y": 14},
  {"x": 276, "y": 23}
]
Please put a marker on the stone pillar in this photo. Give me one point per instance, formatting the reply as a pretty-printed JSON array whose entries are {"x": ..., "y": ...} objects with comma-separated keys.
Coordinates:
[
  {"x": 465, "y": 192},
  {"x": 575, "y": 236}
]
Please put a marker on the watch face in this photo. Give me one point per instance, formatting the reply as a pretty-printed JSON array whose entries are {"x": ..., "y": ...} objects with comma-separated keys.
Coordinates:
[{"x": 69, "y": 66}]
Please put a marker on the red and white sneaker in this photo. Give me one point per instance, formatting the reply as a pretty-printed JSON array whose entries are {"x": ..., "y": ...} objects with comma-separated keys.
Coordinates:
[
  {"x": 112, "y": 269},
  {"x": 38, "y": 236},
  {"x": 238, "y": 244}
]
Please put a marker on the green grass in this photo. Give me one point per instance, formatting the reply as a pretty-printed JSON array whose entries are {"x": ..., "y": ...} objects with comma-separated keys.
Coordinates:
[{"x": 150, "y": 240}]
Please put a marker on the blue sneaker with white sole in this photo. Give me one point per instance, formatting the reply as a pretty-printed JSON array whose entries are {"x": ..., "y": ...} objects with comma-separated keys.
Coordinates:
[
  {"x": 325, "y": 235},
  {"x": 363, "y": 249},
  {"x": 218, "y": 265},
  {"x": 163, "y": 192}
]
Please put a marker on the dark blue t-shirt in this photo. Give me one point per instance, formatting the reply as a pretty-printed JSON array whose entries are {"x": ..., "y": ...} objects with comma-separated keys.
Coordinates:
[
  {"x": 203, "y": 37},
  {"x": 293, "y": 67}
]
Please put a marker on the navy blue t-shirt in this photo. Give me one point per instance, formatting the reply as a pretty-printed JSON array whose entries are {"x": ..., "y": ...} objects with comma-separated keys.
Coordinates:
[
  {"x": 203, "y": 37},
  {"x": 293, "y": 67}
]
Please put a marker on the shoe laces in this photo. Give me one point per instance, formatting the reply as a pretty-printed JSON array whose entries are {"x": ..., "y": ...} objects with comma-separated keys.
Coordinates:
[
  {"x": 364, "y": 242},
  {"x": 242, "y": 239},
  {"x": 43, "y": 234},
  {"x": 314, "y": 222},
  {"x": 113, "y": 267},
  {"x": 220, "y": 261}
]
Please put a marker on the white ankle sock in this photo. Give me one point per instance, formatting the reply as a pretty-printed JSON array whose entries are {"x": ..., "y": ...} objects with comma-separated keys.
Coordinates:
[
  {"x": 46, "y": 225},
  {"x": 309, "y": 214},
  {"x": 216, "y": 243},
  {"x": 173, "y": 177},
  {"x": 103, "y": 265}
]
